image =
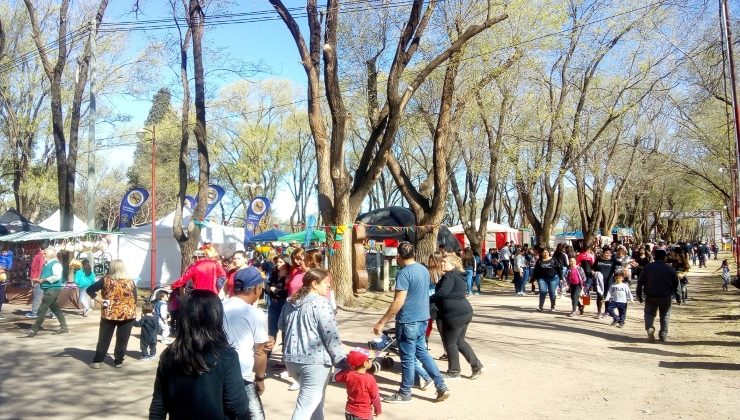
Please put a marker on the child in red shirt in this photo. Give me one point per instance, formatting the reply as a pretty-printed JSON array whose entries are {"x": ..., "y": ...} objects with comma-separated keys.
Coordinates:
[{"x": 362, "y": 390}]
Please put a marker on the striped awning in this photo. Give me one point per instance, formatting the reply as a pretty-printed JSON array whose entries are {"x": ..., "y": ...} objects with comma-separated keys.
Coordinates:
[{"x": 50, "y": 236}]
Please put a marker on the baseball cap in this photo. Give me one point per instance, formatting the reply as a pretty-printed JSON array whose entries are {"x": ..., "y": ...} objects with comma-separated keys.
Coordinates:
[
  {"x": 247, "y": 277},
  {"x": 356, "y": 358}
]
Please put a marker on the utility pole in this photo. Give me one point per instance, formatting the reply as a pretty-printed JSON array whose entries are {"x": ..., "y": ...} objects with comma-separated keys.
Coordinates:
[
  {"x": 153, "y": 267},
  {"x": 91, "y": 141},
  {"x": 725, "y": 19}
]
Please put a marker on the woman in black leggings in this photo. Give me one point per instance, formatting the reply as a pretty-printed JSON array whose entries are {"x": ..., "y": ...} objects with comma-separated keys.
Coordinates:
[{"x": 456, "y": 313}]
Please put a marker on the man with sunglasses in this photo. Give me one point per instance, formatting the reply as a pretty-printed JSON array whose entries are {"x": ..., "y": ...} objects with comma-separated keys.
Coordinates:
[{"x": 410, "y": 307}]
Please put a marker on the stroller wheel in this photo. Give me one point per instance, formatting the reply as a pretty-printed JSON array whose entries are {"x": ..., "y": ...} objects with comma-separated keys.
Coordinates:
[{"x": 387, "y": 362}]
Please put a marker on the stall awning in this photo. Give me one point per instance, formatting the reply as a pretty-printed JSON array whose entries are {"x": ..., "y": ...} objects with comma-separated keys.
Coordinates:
[{"x": 50, "y": 236}]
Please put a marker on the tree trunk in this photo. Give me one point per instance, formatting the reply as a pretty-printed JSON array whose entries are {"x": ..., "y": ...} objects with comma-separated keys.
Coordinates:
[{"x": 426, "y": 241}]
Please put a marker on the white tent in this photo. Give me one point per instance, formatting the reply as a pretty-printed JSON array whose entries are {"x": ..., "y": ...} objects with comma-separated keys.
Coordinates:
[
  {"x": 54, "y": 223},
  {"x": 134, "y": 247},
  {"x": 496, "y": 234}
]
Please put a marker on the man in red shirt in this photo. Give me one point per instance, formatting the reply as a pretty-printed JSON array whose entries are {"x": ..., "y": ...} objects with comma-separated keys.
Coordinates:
[
  {"x": 203, "y": 274},
  {"x": 34, "y": 275}
]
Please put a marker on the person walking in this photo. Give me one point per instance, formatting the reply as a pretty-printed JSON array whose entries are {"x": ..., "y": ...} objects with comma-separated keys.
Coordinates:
[
  {"x": 656, "y": 286},
  {"x": 246, "y": 330},
  {"x": 410, "y": 307},
  {"x": 548, "y": 273},
  {"x": 34, "y": 274},
  {"x": 198, "y": 377},
  {"x": 118, "y": 293},
  {"x": 51, "y": 285},
  {"x": 604, "y": 269},
  {"x": 456, "y": 313},
  {"x": 505, "y": 257},
  {"x": 84, "y": 278},
  {"x": 468, "y": 262},
  {"x": 312, "y": 345},
  {"x": 576, "y": 278},
  {"x": 520, "y": 265}
]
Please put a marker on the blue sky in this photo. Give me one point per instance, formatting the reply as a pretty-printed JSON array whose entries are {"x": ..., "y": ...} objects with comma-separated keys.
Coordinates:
[{"x": 268, "y": 42}]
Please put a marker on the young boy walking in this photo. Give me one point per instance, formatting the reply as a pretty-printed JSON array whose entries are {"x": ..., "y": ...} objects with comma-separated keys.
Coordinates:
[
  {"x": 363, "y": 395},
  {"x": 616, "y": 298},
  {"x": 149, "y": 328}
]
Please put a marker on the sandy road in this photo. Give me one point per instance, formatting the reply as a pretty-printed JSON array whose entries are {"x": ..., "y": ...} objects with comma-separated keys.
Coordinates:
[{"x": 538, "y": 365}]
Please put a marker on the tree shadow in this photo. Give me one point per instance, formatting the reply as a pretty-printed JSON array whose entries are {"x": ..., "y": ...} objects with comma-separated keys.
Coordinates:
[
  {"x": 658, "y": 352},
  {"x": 730, "y": 333},
  {"x": 726, "y": 318},
  {"x": 700, "y": 365}
]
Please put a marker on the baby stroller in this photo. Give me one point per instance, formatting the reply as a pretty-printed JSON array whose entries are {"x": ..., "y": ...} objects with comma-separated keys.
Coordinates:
[{"x": 387, "y": 344}]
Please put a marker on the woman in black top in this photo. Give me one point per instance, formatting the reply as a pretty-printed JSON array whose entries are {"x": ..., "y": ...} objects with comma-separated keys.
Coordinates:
[
  {"x": 642, "y": 258},
  {"x": 548, "y": 272},
  {"x": 199, "y": 376},
  {"x": 605, "y": 266},
  {"x": 278, "y": 292},
  {"x": 455, "y": 312}
]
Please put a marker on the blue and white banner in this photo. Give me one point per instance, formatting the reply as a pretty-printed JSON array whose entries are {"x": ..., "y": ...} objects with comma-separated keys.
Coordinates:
[
  {"x": 190, "y": 202},
  {"x": 310, "y": 226},
  {"x": 256, "y": 210},
  {"x": 215, "y": 194},
  {"x": 130, "y": 205}
]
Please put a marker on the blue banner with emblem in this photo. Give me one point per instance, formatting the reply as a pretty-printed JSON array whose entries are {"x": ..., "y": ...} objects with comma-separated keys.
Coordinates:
[
  {"x": 130, "y": 205},
  {"x": 256, "y": 210},
  {"x": 215, "y": 194}
]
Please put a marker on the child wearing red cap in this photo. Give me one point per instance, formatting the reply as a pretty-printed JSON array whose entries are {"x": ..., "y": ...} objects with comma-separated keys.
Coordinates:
[{"x": 362, "y": 390}]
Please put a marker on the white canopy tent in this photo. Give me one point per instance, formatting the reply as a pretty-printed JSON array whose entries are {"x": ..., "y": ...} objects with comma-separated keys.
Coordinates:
[
  {"x": 54, "y": 223},
  {"x": 495, "y": 233},
  {"x": 134, "y": 247}
]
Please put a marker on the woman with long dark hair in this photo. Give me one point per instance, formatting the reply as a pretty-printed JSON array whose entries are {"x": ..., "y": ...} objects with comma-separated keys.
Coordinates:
[
  {"x": 278, "y": 292},
  {"x": 456, "y": 313},
  {"x": 312, "y": 345},
  {"x": 468, "y": 261},
  {"x": 548, "y": 273},
  {"x": 199, "y": 376}
]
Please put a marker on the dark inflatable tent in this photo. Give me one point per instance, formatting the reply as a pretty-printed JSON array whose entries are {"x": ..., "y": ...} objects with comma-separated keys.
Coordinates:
[
  {"x": 12, "y": 222},
  {"x": 401, "y": 217}
]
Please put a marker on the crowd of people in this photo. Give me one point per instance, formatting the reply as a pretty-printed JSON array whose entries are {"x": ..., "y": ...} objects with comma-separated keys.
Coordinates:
[{"x": 217, "y": 362}]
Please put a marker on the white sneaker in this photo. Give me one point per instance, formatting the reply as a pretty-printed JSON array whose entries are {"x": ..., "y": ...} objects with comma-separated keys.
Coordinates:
[{"x": 295, "y": 386}]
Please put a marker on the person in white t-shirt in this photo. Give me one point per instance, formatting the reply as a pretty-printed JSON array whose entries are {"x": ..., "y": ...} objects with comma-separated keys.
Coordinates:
[
  {"x": 246, "y": 330},
  {"x": 505, "y": 256}
]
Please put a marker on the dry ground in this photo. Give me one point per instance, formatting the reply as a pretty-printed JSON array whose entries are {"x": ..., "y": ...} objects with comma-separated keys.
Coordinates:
[{"x": 543, "y": 366}]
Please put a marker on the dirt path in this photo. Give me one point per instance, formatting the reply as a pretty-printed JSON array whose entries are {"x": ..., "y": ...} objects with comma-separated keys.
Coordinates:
[{"x": 537, "y": 366}]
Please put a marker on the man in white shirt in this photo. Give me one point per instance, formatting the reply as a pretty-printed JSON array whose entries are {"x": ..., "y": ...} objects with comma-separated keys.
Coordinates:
[{"x": 246, "y": 330}]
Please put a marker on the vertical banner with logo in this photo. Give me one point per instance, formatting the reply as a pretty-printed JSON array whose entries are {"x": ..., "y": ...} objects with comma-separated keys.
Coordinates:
[
  {"x": 256, "y": 210},
  {"x": 190, "y": 202},
  {"x": 130, "y": 205},
  {"x": 215, "y": 194},
  {"x": 310, "y": 226}
]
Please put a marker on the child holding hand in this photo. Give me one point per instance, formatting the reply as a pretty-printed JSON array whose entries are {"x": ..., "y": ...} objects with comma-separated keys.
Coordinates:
[{"x": 363, "y": 395}]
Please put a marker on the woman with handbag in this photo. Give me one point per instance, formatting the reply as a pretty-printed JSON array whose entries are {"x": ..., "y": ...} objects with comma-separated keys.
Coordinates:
[{"x": 118, "y": 292}]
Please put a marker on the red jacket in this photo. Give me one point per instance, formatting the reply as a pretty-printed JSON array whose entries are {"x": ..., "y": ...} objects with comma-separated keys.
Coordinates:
[
  {"x": 37, "y": 265},
  {"x": 362, "y": 393},
  {"x": 203, "y": 275}
]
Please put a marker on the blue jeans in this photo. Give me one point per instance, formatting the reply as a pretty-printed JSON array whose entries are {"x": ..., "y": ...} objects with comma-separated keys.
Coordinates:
[
  {"x": 469, "y": 280},
  {"x": 476, "y": 282},
  {"x": 273, "y": 316},
  {"x": 421, "y": 373},
  {"x": 548, "y": 286},
  {"x": 411, "y": 346},
  {"x": 313, "y": 380}
]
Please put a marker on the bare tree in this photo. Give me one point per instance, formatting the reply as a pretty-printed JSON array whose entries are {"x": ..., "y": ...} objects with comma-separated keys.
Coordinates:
[
  {"x": 341, "y": 194},
  {"x": 189, "y": 239},
  {"x": 65, "y": 146}
]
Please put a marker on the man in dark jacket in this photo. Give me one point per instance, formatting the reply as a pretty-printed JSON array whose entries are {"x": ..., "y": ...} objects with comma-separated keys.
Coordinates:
[{"x": 658, "y": 283}]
